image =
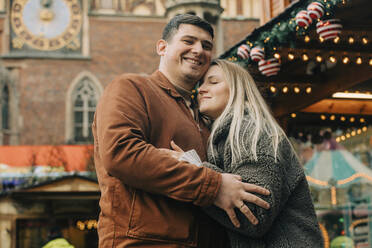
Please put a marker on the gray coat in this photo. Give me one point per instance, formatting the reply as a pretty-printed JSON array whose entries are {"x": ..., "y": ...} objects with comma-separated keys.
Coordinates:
[{"x": 291, "y": 221}]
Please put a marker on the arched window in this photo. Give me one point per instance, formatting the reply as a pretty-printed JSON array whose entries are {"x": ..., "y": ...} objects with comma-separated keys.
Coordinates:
[
  {"x": 5, "y": 108},
  {"x": 82, "y": 98},
  {"x": 84, "y": 101}
]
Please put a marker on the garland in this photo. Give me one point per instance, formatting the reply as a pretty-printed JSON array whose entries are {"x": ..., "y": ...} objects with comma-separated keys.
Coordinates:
[{"x": 280, "y": 31}]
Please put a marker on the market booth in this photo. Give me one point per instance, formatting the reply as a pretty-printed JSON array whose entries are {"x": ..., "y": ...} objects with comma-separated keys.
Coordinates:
[
  {"x": 313, "y": 64},
  {"x": 36, "y": 198}
]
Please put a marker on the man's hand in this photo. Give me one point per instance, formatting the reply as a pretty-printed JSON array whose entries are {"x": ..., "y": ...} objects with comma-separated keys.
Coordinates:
[
  {"x": 171, "y": 153},
  {"x": 233, "y": 193}
]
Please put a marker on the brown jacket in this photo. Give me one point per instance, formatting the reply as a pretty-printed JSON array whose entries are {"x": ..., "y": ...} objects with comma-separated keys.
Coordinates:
[{"x": 148, "y": 198}]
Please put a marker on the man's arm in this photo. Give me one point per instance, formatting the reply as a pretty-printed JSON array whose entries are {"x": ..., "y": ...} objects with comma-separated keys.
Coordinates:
[
  {"x": 265, "y": 173},
  {"x": 232, "y": 193}
]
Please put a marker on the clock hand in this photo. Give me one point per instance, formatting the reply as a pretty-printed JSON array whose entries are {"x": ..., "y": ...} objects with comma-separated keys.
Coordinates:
[{"x": 46, "y": 3}]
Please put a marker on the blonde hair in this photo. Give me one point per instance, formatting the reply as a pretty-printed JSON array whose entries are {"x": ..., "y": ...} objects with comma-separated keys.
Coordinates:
[{"x": 245, "y": 97}]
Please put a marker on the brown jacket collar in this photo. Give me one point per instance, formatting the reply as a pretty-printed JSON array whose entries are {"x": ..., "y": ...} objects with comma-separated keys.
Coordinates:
[{"x": 160, "y": 79}]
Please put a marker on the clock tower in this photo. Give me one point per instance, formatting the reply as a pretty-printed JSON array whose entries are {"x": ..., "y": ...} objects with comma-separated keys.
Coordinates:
[{"x": 46, "y": 28}]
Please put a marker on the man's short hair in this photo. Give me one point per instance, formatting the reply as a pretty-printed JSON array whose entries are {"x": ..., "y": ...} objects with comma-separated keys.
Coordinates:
[{"x": 173, "y": 25}]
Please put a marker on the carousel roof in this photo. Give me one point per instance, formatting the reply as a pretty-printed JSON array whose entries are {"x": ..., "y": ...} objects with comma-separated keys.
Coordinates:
[{"x": 335, "y": 166}]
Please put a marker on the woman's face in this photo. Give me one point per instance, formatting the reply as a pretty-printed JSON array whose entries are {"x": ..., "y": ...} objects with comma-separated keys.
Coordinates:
[{"x": 213, "y": 93}]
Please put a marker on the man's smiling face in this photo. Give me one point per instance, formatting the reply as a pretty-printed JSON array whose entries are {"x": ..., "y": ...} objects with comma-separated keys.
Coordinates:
[{"x": 187, "y": 55}]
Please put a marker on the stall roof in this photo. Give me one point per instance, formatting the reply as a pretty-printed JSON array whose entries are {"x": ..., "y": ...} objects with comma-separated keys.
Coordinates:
[
  {"x": 68, "y": 157},
  {"x": 53, "y": 182}
]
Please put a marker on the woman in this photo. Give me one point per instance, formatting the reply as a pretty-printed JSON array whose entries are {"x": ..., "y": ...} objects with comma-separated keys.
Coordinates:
[{"x": 246, "y": 140}]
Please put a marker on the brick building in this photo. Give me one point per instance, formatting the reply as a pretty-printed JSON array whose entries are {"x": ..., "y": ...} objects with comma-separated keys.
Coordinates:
[{"x": 58, "y": 55}]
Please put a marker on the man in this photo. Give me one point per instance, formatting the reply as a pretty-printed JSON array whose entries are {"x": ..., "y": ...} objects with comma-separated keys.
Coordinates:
[{"x": 148, "y": 198}]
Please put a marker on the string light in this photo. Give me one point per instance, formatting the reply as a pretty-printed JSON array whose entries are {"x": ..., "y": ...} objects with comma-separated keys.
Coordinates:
[
  {"x": 332, "y": 59},
  {"x": 343, "y": 138},
  {"x": 285, "y": 89},
  {"x": 342, "y": 118},
  {"x": 362, "y": 120},
  {"x": 347, "y": 135},
  {"x": 272, "y": 89},
  {"x": 87, "y": 224},
  {"x": 321, "y": 39},
  {"x": 359, "y": 60},
  {"x": 351, "y": 39},
  {"x": 338, "y": 139},
  {"x": 324, "y": 234},
  {"x": 336, "y": 40},
  {"x": 332, "y": 118},
  {"x": 353, "y": 177},
  {"x": 364, "y": 129},
  {"x": 319, "y": 58},
  {"x": 345, "y": 60},
  {"x": 307, "y": 38},
  {"x": 277, "y": 55},
  {"x": 359, "y": 131},
  {"x": 333, "y": 195},
  {"x": 293, "y": 115},
  {"x": 352, "y": 119},
  {"x": 364, "y": 40},
  {"x": 290, "y": 56},
  {"x": 296, "y": 89},
  {"x": 305, "y": 57},
  {"x": 323, "y": 117},
  {"x": 357, "y": 222},
  {"x": 370, "y": 62},
  {"x": 353, "y": 133}
]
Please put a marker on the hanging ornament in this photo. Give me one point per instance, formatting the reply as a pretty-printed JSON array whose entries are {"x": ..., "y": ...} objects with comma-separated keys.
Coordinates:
[
  {"x": 303, "y": 19},
  {"x": 315, "y": 10},
  {"x": 269, "y": 67},
  {"x": 243, "y": 51},
  {"x": 257, "y": 54},
  {"x": 329, "y": 29}
]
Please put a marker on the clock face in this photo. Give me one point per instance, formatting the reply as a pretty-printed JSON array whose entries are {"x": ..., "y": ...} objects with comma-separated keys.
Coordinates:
[{"x": 46, "y": 24}]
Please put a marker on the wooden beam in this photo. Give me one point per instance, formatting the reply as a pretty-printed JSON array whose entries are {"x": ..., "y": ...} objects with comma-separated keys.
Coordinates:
[
  {"x": 265, "y": 11},
  {"x": 340, "y": 79},
  {"x": 341, "y": 106}
]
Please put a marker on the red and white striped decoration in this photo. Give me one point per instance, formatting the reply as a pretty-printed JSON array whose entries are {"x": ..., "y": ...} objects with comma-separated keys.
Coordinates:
[
  {"x": 303, "y": 19},
  {"x": 315, "y": 10},
  {"x": 257, "y": 54},
  {"x": 269, "y": 67},
  {"x": 329, "y": 29},
  {"x": 243, "y": 51}
]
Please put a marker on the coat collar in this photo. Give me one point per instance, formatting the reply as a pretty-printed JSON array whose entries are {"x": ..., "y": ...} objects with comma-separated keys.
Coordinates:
[
  {"x": 160, "y": 79},
  {"x": 223, "y": 129}
]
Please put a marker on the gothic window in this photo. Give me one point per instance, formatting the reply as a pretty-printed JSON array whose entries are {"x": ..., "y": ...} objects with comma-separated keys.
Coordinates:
[
  {"x": 84, "y": 101},
  {"x": 5, "y": 108}
]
